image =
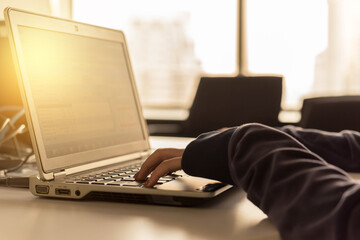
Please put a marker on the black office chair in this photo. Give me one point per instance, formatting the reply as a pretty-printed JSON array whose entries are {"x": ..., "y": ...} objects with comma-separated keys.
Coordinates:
[
  {"x": 332, "y": 113},
  {"x": 231, "y": 101}
]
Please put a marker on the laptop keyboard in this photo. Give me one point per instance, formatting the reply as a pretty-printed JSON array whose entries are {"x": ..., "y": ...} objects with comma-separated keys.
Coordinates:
[{"x": 123, "y": 176}]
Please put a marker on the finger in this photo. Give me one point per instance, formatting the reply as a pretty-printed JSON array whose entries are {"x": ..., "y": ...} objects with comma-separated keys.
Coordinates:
[
  {"x": 165, "y": 167},
  {"x": 151, "y": 163},
  {"x": 155, "y": 159}
]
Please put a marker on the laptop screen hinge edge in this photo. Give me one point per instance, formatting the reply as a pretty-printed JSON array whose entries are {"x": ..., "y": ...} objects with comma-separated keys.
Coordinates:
[
  {"x": 60, "y": 174},
  {"x": 90, "y": 166},
  {"x": 145, "y": 153}
]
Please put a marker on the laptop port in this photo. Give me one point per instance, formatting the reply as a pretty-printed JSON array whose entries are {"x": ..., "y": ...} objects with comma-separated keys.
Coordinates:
[
  {"x": 61, "y": 191},
  {"x": 42, "y": 189}
]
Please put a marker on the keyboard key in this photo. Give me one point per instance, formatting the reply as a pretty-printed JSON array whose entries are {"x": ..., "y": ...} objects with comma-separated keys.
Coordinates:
[
  {"x": 128, "y": 179},
  {"x": 124, "y": 175},
  {"x": 105, "y": 175},
  {"x": 114, "y": 184},
  {"x": 120, "y": 171},
  {"x": 132, "y": 184},
  {"x": 83, "y": 182},
  {"x": 88, "y": 179},
  {"x": 117, "y": 178},
  {"x": 102, "y": 182}
]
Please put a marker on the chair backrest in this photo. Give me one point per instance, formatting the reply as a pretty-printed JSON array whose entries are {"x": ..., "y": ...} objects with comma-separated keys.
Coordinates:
[
  {"x": 231, "y": 101},
  {"x": 333, "y": 113}
]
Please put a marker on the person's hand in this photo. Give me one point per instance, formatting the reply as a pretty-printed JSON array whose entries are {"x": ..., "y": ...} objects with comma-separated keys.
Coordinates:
[{"x": 159, "y": 163}]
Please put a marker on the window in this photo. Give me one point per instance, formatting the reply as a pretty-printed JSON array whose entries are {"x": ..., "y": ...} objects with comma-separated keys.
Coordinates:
[
  {"x": 314, "y": 44},
  {"x": 171, "y": 43},
  {"x": 58, "y": 8}
]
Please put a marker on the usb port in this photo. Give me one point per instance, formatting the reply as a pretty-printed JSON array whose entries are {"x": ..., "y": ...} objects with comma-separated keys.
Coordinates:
[
  {"x": 61, "y": 191},
  {"x": 42, "y": 189}
]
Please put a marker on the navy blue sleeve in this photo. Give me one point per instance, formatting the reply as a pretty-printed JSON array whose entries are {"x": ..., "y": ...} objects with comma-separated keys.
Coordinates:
[
  {"x": 340, "y": 149},
  {"x": 303, "y": 195}
]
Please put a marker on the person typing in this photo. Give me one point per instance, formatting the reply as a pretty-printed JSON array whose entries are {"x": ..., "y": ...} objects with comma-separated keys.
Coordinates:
[{"x": 298, "y": 177}]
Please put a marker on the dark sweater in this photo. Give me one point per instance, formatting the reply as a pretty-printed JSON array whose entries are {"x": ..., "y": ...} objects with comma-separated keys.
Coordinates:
[{"x": 295, "y": 176}]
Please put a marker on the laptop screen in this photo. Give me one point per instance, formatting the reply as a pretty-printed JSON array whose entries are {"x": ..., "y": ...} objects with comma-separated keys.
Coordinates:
[{"x": 82, "y": 91}]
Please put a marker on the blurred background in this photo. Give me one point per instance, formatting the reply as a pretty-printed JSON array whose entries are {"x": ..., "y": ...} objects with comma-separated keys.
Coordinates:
[{"x": 313, "y": 44}]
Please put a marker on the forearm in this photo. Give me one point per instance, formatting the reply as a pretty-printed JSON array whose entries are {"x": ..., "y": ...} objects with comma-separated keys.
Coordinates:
[
  {"x": 305, "y": 197},
  {"x": 340, "y": 149},
  {"x": 207, "y": 156}
]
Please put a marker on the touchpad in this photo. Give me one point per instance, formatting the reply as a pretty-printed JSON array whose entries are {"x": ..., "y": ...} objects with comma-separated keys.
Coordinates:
[{"x": 187, "y": 183}]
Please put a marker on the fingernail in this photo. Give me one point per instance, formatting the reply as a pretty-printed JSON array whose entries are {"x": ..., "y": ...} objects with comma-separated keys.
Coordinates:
[
  {"x": 136, "y": 174},
  {"x": 146, "y": 183}
]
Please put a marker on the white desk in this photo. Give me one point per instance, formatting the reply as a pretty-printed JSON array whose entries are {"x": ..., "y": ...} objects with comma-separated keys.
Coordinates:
[{"x": 232, "y": 216}]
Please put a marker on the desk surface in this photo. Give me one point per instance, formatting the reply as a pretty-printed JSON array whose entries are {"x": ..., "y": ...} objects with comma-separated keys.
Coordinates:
[{"x": 232, "y": 216}]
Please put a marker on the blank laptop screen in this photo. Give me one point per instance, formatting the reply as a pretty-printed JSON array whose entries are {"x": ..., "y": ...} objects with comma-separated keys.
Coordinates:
[{"x": 82, "y": 91}]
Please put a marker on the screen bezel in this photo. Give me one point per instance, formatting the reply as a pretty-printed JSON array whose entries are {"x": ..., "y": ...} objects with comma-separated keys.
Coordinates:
[{"x": 15, "y": 18}]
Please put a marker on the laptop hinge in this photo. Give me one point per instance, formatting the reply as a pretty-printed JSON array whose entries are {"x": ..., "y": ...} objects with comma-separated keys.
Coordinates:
[
  {"x": 145, "y": 153},
  {"x": 98, "y": 164},
  {"x": 60, "y": 174}
]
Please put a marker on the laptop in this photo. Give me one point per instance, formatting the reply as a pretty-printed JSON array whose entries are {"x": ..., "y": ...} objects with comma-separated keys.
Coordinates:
[{"x": 84, "y": 115}]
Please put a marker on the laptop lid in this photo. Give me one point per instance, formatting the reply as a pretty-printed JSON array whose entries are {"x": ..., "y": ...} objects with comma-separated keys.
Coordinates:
[{"x": 78, "y": 91}]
